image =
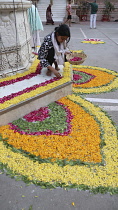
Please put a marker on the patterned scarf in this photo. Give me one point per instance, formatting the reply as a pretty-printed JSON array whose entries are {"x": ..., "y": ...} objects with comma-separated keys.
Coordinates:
[{"x": 59, "y": 50}]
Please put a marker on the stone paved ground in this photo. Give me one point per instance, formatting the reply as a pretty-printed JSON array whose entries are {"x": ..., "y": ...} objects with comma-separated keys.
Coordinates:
[{"x": 16, "y": 195}]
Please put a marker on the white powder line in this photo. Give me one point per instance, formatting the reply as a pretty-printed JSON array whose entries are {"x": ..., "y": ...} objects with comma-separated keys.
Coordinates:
[
  {"x": 103, "y": 100},
  {"x": 109, "y": 108},
  {"x": 83, "y": 33}
]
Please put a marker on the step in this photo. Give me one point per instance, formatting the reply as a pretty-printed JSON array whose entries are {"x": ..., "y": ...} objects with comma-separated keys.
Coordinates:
[
  {"x": 58, "y": 10},
  {"x": 32, "y": 93}
]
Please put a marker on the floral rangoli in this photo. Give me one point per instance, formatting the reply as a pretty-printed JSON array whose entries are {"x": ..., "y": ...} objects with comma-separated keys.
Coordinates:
[
  {"x": 93, "y": 41},
  {"x": 69, "y": 143},
  {"x": 89, "y": 79}
]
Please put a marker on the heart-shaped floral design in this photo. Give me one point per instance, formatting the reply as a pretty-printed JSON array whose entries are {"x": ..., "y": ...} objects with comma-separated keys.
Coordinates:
[
  {"x": 76, "y": 77},
  {"x": 54, "y": 119},
  {"x": 80, "y": 77}
]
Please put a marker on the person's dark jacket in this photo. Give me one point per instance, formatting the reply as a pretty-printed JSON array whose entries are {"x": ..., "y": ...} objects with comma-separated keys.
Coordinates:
[{"x": 94, "y": 8}]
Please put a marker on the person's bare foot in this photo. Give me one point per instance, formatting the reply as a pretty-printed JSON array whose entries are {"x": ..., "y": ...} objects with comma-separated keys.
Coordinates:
[{"x": 48, "y": 72}]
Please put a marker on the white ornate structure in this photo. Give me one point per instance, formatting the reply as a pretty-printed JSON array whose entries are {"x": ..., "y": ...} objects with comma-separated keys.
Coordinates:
[{"x": 15, "y": 49}]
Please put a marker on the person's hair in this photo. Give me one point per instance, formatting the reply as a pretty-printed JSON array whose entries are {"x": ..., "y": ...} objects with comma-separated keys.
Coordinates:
[{"x": 63, "y": 30}]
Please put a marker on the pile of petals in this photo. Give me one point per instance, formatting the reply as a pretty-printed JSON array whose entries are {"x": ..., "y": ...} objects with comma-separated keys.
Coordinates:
[
  {"x": 37, "y": 115},
  {"x": 93, "y": 41},
  {"x": 76, "y": 59}
]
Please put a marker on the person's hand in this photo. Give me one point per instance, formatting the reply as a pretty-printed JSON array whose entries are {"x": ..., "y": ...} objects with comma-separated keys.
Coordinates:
[
  {"x": 56, "y": 73},
  {"x": 68, "y": 52}
]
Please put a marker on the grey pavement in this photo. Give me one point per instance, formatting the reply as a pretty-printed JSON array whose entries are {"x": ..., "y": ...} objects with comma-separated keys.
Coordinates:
[{"x": 16, "y": 195}]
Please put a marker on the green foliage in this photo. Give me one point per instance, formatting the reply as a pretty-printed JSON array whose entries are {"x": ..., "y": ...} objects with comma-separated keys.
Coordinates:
[
  {"x": 83, "y": 8},
  {"x": 109, "y": 7}
]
